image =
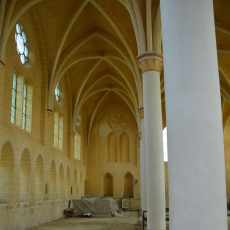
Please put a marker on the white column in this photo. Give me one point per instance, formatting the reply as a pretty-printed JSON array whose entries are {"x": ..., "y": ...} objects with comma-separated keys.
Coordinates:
[
  {"x": 142, "y": 164},
  {"x": 153, "y": 140},
  {"x": 197, "y": 193}
]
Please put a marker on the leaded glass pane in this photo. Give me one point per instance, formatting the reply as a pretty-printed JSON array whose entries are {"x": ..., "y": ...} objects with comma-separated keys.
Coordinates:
[
  {"x": 24, "y": 106},
  {"x": 57, "y": 92},
  {"x": 12, "y": 114},
  {"x": 18, "y": 28},
  {"x": 13, "y": 98},
  {"x": 24, "y": 37},
  {"x": 21, "y": 43},
  {"x": 15, "y": 81},
  {"x": 25, "y": 91},
  {"x": 23, "y": 60},
  {"x": 23, "y": 122},
  {"x": 13, "y": 102},
  {"x": 26, "y": 51}
]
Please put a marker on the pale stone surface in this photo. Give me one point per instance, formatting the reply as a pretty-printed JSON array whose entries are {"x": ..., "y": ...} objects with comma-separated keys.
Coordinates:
[
  {"x": 154, "y": 150},
  {"x": 111, "y": 223},
  {"x": 25, "y": 216},
  {"x": 197, "y": 193}
]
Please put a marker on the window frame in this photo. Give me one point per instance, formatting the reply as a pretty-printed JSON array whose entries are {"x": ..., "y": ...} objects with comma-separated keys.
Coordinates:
[
  {"x": 14, "y": 96},
  {"x": 24, "y": 105},
  {"x": 22, "y": 33}
]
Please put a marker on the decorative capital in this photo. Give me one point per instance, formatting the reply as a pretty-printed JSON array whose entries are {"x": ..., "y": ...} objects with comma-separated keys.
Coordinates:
[
  {"x": 150, "y": 61},
  {"x": 49, "y": 110},
  {"x": 2, "y": 64},
  {"x": 73, "y": 133},
  {"x": 141, "y": 112},
  {"x": 139, "y": 135}
]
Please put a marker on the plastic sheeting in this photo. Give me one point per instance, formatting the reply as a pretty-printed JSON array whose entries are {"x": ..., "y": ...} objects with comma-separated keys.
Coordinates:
[{"x": 96, "y": 206}]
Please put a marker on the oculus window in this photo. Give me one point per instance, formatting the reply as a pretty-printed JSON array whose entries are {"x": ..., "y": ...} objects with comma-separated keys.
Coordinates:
[
  {"x": 78, "y": 120},
  {"x": 57, "y": 92},
  {"x": 22, "y": 44}
]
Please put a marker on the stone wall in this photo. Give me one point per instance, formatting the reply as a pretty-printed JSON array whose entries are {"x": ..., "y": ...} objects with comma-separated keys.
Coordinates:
[{"x": 24, "y": 215}]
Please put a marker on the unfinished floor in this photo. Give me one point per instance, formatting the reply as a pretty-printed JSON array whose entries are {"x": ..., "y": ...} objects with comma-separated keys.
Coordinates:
[{"x": 107, "y": 223}]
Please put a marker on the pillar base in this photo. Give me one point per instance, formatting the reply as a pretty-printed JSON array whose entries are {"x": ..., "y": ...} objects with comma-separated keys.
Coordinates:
[{"x": 156, "y": 229}]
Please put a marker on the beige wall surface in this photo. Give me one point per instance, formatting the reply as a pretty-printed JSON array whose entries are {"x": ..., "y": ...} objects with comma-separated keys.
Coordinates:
[
  {"x": 119, "y": 123},
  {"x": 35, "y": 177},
  {"x": 93, "y": 57}
]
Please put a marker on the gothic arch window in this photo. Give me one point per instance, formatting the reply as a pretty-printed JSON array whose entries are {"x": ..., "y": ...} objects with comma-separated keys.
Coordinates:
[
  {"x": 21, "y": 103},
  {"x": 57, "y": 92},
  {"x": 112, "y": 147},
  {"x": 77, "y": 146},
  {"x": 78, "y": 120},
  {"x": 58, "y": 130},
  {"x": 24, "y": 110},
  {"x": 22, "y": 44},
  {"x": 14, "y": 96},
  {"x": 124, "y": 148}
]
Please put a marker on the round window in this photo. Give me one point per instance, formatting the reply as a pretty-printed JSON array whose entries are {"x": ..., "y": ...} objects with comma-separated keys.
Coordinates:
[
  {"x": 78, "y": 120},
  {"x": 22, "y": 44},
  {"x": 57, "y": 92}
]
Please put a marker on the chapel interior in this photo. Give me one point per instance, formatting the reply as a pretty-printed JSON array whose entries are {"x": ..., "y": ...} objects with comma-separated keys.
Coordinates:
[{"x": 72, "y": 103}]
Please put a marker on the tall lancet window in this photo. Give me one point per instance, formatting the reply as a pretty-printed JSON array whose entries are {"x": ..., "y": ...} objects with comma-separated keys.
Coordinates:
[{"x": 14, "y": 94}]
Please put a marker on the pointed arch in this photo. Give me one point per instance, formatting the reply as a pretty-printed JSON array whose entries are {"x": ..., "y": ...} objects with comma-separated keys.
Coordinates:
[
  {"x": 52, "y": 184},
  {"x": 108, "y": 185},
  {"x": 7, "y": 174},
  {"x": 39, "y": 178},
  {"x": 61, "y": 189},
  {"x": 25, "y": 177},
  {"x": 128, "y": 185},
  {"x": 68, "y": 187}
]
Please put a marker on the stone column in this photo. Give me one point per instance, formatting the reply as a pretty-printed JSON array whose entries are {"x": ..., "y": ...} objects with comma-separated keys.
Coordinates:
[
  {"x": 151, "y": 64},
  {"x": 197, "y": 190},
  {"x": 142, "y": 163}
]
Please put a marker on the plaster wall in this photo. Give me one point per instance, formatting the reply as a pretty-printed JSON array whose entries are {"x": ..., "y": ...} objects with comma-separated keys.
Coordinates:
[{"x": 26, "y": 200}]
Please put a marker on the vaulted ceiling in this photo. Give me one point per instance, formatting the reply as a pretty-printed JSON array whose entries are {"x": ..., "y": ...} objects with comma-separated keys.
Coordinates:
[{"x": 95, "y": 44}]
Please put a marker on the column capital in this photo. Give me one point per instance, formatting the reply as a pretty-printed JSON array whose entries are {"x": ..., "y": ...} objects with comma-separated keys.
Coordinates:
[
  {"x": 49, "y": 110},
  {"x": 141, "y": 112},
  {"x": 2, "y": 64},
  {"x": 150, "y": 61},
  {"x": 139, "y": 135}
]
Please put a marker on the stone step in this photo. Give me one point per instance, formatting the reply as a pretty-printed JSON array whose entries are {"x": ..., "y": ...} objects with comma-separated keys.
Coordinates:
[{"x": 130, "y": 213}]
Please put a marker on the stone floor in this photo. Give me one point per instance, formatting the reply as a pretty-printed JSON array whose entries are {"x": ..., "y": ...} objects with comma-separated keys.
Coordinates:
[
  {"x": 127, "y": 222},
  {"x": 94, "y": 223}
]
